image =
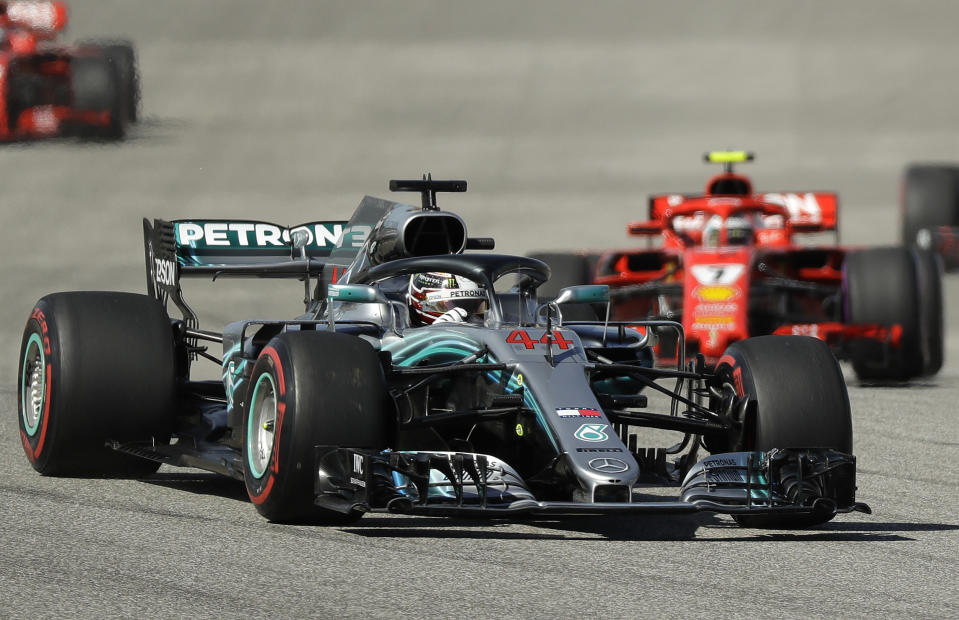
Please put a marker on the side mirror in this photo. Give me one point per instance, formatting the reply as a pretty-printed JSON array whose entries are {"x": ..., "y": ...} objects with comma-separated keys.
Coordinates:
[
  {"x": 583, "y": 294},
  {"x": 644, "y": 228},
  {"x": 804, "y": 227},
  {"x": 360, "y": 294},
  {"x": 356, "y": 293}
]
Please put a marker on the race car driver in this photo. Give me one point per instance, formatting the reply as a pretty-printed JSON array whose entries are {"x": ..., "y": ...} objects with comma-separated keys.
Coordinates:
[
  {"x": 738, "y": 228},
  {"x": 445, "y": 298}
]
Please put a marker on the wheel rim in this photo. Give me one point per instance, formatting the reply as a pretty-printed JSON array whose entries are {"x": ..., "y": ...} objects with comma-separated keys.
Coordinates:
[
  {"x": 33, "y": 385},
  {"x": 261, "y": 426}
]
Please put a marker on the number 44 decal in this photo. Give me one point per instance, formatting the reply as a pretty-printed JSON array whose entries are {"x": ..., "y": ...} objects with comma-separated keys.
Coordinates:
[{"x": 521, "y": 336}]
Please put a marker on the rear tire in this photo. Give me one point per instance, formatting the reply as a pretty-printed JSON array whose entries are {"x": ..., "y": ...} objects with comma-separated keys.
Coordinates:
[
  {"x": 930, "y": 198},
  {"x": 308, "y": 389},
  {"x": 801, "y": 402},
  {"x": 881, "y": 287},
  {"x": 95, "y": 366},
  {"x": 96, "y": 88},
  {"x": 122, "y": 55}
]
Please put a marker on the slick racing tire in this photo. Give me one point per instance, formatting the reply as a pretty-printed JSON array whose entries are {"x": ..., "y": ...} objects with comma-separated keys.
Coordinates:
[
  {"x": 930, "y": 199},
  {"x": 95, "y": 367},
  {"x": 881, "y": 286},
  {"x": 929, "y": 293},
  {"x": 307, "y": 389},
  {"x": 122, "y": 55},
  {"x": 568, "y": 269},
  {"x": 801, "y": 401},
  {"x": 96, "y": 88}
]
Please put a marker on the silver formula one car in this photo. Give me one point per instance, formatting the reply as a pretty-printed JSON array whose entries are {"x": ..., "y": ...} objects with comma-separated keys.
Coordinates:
[{"x": 424, "y": 378}]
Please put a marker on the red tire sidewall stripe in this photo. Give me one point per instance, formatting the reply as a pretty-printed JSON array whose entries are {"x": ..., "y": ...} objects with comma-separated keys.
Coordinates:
[
  {"x": 262, "y": 496},
  {"x": 33, "y": 451},
  {"x": 273, "y": 468}
]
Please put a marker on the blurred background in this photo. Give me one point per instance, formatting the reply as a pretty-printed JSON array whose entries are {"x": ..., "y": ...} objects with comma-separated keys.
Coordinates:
[{"x": 562, "y": 116}]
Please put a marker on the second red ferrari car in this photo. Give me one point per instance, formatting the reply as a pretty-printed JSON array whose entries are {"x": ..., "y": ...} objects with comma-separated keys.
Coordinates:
[
  {"x": 727, "y": 264},
  {"x": 50, "y": 89}
]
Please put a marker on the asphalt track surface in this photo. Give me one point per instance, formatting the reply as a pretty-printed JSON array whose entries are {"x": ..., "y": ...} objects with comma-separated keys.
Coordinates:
[{"x": 562, "y": 116}]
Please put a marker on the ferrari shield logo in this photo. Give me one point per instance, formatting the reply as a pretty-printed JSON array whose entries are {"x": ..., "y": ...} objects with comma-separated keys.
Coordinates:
[{"x": 591, "y": 432}]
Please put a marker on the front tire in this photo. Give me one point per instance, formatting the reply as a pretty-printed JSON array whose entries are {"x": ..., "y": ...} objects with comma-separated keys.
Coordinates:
[
  {"x": 94, "y": 367},
  {"x": 929, "y": 292},
  {"x": 308, "y": 389},
  {"x": 801, "y": 402},
  {"x": 881, "y": 287}
]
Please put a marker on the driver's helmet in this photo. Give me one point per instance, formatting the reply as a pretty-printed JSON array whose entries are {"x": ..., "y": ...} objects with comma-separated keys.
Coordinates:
[
  {"x": 739, "y": 230},
  {"x": 712, "y": 231},
  {"x": 444, "y": 296}
]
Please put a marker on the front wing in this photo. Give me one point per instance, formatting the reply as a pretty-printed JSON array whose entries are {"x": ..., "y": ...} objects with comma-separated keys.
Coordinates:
[{"x": 794, "y": 482}]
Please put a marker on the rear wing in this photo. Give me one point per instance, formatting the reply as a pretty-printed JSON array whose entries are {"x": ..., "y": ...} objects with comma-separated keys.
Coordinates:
[
  {"x": 245, "y": 248},
  {"x": 808, "y": 211},
  {"x": 214, "y": 244}
]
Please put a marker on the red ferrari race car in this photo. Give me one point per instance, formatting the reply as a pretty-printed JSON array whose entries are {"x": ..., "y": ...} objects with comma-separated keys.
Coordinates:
[
  {"x": 47, "y": 89},
  {"x": 930, "y": 210},
  {"x": 727, "y": 266}
]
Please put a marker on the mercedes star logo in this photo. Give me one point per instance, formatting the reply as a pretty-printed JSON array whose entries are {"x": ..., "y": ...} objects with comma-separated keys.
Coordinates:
[{"x": 608, "y": 466}]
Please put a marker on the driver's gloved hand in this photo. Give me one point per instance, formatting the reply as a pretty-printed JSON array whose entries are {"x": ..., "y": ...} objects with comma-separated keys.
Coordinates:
[{"x": 456, "y": 315}]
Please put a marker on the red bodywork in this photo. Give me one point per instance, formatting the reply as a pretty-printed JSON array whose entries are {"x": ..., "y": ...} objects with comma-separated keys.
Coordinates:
[
  {"x": 723, "y": 289},
  {"x": 36, "y": 89}
]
